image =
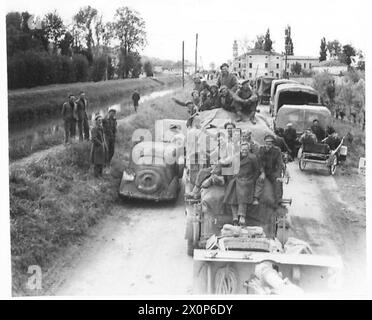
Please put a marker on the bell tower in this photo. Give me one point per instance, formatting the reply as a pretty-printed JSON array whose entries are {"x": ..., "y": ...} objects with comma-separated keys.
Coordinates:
[{"x": 235, "y": 49}]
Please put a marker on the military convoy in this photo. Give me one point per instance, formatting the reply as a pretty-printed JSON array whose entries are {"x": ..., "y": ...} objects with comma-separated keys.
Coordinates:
[{"x": 262, "y": 257}]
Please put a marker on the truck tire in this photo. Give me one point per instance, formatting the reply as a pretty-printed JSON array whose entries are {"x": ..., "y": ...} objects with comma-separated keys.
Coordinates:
[{"x": 190, "y": 247}]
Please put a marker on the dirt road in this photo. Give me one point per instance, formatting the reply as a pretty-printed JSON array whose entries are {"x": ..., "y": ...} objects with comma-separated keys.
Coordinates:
[{"x": 140, "y": 248}]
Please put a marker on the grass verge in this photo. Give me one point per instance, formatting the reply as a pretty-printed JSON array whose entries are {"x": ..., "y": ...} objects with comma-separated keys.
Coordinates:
[
  {"x": 45, "y": 102},
  {"x": 56, "y": 200}
]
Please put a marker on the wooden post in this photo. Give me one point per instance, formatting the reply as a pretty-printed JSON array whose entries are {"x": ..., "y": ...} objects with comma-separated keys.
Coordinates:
[
  {"x": 183, "y": 64},
  {"x": 196, "y": 53}
]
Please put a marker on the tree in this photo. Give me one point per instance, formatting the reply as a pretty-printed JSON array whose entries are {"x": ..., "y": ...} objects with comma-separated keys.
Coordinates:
[
  {"x": 268, "y": 44},
  {"x": 19, "y": 35},
  {"x": 99, "y": 68},
  {"x": 54, "y": 28},
  {"x": 147, "y": 67},
  {"x": 288, "y": 42},
  {"x": 84, "y": 25},
  {"x": 296, "y": 68},
  {"x": 323, "y": 50},
  {"x": 129, "y": 64},
  {"x": 129, "y": 29},
  {"x": 259, "y": 44},
  {"x": 66, "y": 44},
  {"x": 349, "y": 52},
  {"x": 334, "y": 48}
]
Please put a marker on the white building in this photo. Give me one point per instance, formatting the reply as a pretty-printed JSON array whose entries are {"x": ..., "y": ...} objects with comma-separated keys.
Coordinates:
[
  {"x": 307, "y": 63},
  {"x": 256, "y": 63}
]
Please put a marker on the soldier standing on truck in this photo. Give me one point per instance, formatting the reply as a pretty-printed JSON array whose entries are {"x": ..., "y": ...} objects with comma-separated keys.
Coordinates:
[
  {"x": 239, "y": 191},
  {"x": 82, "y": 122},
  {"x": 69, "y": 115},
  {"x": 227, "y": 79},
  {"x": 135, "y": 97},
  {"x": 109, "y": 129},
  {"x": 270, "y": 159}
]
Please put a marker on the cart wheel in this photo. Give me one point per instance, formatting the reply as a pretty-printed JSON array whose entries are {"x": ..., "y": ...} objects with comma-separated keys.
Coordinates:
[
  {"x": 302, "y": 164},
  {"x": 333, "y": 166}
]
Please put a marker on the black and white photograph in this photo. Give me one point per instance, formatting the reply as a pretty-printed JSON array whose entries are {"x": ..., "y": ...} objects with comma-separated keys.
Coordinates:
[{"x": 184, "y": 149}]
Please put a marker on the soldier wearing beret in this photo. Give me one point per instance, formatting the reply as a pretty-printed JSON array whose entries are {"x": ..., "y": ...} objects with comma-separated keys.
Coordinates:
[
  {"x": 98, "y": 151},
  {"x": 239, "y": 191},
  {"x": 270, "y": 159},
  {"x": 109, "y": 129},
  {"x": 245, "y": 102},
  {"x": 227, "y": 79},
  {"x": 225, "y": 99}
]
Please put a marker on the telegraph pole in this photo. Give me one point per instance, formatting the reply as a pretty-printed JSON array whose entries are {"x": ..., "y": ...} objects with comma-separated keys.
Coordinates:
[
  {"x": 183, "y": 64},
  {"x": 196, "y": 54}
]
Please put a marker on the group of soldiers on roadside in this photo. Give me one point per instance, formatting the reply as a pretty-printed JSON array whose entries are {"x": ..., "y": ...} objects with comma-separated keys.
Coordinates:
[
  {"x": 102, "y": 135},
  {"x": 226, "y": 93}
]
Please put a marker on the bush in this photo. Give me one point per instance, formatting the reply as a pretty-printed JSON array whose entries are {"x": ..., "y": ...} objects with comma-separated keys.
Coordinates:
[
  {"x": 66, "y": 70},
  {"x": 148, "y": 69},
  {"x": 81, "y": 67},
  {"x": 99, "y": 68}
]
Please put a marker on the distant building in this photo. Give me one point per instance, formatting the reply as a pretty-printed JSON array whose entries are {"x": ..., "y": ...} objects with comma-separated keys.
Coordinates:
[
  {"x": 333, "y": 67},
  {"x": 307, "y": 63},
  {"x": 256, "y": 63}
]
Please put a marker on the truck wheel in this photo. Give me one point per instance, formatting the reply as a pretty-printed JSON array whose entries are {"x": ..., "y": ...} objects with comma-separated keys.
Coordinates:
[{"x": 190, "y": 248}]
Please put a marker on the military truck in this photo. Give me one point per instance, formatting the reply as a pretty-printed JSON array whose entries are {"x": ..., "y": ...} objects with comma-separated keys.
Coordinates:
[{"x": 262, "y": 257}]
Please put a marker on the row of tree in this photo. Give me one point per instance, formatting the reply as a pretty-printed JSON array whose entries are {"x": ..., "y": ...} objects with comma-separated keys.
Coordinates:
[
  {"x": 264, "y": 42},
  {"x": 46, "y": 50},
  {"x": 343, "y": 53}
]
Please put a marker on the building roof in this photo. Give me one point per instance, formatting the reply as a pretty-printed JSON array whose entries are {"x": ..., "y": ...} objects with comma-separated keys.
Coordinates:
[
  {"x": 302, "y": 58},
  {"x": 259, "y": 52},
  {"x": 330, "y": 63}
]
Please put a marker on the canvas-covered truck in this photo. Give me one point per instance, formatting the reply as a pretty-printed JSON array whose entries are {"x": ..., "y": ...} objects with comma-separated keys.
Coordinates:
[
  {"x": 262, "y": 257},
  {"x": 263, "y": 85},
  {"x": 294, "y": 94}
]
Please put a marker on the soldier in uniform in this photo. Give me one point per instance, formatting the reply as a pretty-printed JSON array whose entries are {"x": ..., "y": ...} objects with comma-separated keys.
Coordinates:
[
  {"x": 135, "y": 97},
  {"x": 270, "y": 159},
  {"x": 98, "y": 152},
  {"x": 245, "y": 102},
  {"x": 318, "y": 130},
  {"x": 82, "y": 122},
  {"x": 227, "y": 79},
  {"x": 225, "y": 99},
  {"x": 109, "y": 129},
  {"x": 240, "y": 188},
  {"x": 290, "y": 137},
  {"x": 69, "y": 115}
]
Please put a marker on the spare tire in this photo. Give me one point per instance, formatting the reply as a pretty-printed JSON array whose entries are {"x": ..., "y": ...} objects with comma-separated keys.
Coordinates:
[{"x": 148, "y": 181}]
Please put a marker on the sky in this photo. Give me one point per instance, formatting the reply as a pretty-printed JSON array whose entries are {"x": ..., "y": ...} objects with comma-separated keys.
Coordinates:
[{"x": 218, "y": 23}]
